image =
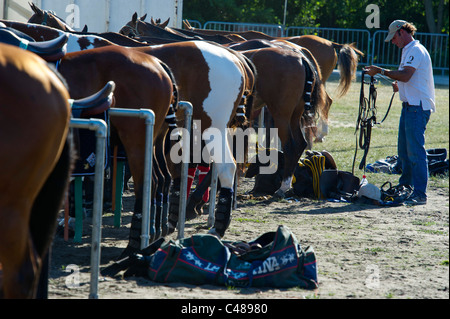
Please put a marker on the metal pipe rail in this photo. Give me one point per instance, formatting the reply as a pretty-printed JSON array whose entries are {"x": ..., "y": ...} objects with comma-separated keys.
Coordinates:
[
  {"x": 101, "y": 129},
  {"x": 188, "y": 111},
  {"x": 149, "y": 117}
]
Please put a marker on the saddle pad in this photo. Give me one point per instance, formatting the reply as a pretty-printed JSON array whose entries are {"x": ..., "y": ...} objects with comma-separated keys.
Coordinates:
[{"x": 85, "y": 143}]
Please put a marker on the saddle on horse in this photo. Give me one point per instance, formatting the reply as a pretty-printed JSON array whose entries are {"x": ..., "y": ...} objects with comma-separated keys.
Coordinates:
[
  {"x": 94, "y": 104},
  {"x": 52, "y": 50}
]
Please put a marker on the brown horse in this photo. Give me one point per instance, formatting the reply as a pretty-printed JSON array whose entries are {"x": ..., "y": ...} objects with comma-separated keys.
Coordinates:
[
  {"x": 326, "y": 53},
  {"x": 289, "y": 83},
  {"x": 142, "y": 81},
  {"x": 34, "y": 121},
  {"x": 48, "y": 18}
]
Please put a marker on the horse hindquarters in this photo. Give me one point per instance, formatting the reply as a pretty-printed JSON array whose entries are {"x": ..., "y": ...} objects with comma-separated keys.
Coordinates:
[{"x": 45, "y": 210}]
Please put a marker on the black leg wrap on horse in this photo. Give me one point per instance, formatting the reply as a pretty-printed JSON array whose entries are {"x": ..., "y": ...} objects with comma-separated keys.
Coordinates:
[
  {"x": 135, "y": 231},
  {"x": 158, "y": 214},
  {"x": 164, "y": 216},
  {"x": 174, "y": 204},
  {"x": 152, "y": 220},
  {"x": 134, "y": 241},
  {"x": 194, "y": 199},
  {"x": 223, "y": 211}
]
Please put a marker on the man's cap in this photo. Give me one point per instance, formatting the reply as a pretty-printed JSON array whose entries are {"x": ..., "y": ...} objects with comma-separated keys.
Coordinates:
[{"x": 394, "y": 27}]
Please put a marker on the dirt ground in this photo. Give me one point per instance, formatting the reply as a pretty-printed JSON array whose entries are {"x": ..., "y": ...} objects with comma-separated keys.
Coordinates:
[{"x": 363, "y": 251}]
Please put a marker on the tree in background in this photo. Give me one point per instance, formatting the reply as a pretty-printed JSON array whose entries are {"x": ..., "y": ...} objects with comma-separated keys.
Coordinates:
[{"x": 428, "y": 15}]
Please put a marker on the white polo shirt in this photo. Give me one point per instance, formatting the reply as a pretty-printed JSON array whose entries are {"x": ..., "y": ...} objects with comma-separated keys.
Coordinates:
[{"x": 420, "y": 87}]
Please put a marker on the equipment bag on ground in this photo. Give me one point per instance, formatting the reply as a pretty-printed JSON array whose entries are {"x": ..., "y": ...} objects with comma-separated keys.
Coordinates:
[{"x": 275, "y": 259}]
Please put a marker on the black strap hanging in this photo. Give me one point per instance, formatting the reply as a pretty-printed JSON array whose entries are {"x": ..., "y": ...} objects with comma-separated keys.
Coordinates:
[{"x": 367, "y": 118}]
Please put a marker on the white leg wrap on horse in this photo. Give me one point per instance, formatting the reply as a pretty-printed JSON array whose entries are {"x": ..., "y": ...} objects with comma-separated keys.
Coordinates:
[{"x": 286, "y": 184}]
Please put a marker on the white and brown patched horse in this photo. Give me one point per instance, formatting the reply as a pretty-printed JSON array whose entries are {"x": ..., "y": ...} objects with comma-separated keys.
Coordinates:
[
  {"x": 214, "y": 79},
  {"x": 35, "y": 166}
]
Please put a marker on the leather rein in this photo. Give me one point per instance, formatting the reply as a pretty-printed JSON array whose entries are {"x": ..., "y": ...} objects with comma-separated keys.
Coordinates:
[{"x": 367, "y": 118}]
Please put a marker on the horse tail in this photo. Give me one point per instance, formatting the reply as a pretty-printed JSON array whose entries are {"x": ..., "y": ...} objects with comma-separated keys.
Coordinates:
[
  {"x": 248, "y": 99},
  {"x": 245, "y": 106},
  {"x": 347, "y": 63},
  {"x": 250, "y": 90},
  {"x": 314, "y": 96},
  {"x": 175, "y": 96}
]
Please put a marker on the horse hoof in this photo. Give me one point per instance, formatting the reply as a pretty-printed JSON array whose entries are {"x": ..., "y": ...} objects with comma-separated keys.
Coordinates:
[
  {"x": 170, "y": 230},
  {"x": 199, "y": 208},
  {"x": 279, "y": 194},
  {"x": 213, "y": 232},
  {"x": 191, "y": 213},
  {"x": 127, "y": 252}
]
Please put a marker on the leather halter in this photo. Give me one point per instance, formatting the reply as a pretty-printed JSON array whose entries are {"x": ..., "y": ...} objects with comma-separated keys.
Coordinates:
[
  {"x": 45, "y": 18},
  {"x": 133, "y": 29}
]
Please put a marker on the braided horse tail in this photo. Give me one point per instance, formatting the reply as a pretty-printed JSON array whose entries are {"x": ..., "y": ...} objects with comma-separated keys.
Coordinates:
[{"x": 315, "y": 98}]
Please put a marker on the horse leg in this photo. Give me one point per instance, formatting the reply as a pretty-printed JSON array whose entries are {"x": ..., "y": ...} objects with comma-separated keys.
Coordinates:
[
  {"x": 174, "y": 204},
  {"x": 45, "y": 210},
  {"x": 159, "y": 167},
  {"x": 323, "y": 119},
  {"x": 223, "y": 211},
  {"x": 21, "y": 264},
  {"x": 291, "y": 156},
  {"x": 21, "y": 259},
  {"x": 226, "y": 169},
  {"x": 134, "y": 145},
  {"x": 164, "y": 165}
]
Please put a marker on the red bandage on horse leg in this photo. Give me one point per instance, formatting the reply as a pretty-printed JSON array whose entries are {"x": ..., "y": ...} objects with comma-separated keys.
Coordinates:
[
  {"x": 190, "y": 179},
  {"x": 203, "y": 170}
]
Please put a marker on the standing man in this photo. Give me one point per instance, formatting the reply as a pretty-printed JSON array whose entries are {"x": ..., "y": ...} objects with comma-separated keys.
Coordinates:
[{"x": 415, "y": 83}]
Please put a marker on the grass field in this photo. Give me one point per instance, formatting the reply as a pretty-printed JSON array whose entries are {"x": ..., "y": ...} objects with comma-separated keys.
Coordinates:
[{"x": 341, "y": 140}]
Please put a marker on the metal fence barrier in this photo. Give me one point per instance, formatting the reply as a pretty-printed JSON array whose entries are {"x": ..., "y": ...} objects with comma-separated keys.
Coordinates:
[
  {"x": 361, "y": 38},
  {"x": 388, "y": 55},
  {"x": 375, "y": 50},
  {"x": 273, "y": 30}
]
